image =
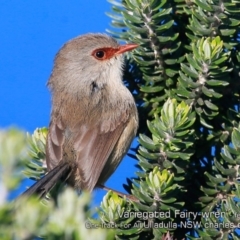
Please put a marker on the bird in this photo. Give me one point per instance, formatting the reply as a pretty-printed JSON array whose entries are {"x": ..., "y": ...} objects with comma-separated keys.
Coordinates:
[{"x": 94, "y": 117}]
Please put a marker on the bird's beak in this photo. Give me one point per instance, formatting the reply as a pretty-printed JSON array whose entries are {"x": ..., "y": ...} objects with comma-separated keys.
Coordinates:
[{"x": 126, "y": 48}]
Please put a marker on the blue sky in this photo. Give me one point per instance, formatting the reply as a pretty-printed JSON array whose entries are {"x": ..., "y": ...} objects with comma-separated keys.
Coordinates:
[{"x": 31, "y": 34}]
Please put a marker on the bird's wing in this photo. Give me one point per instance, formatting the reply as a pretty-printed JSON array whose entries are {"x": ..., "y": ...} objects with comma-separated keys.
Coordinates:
[
  {"x": 54, "y": 146},
  {"x": 92, "y": 147}
]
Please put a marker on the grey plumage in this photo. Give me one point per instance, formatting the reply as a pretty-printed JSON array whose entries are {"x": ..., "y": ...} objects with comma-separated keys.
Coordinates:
[{"x": 94, "y": 116}]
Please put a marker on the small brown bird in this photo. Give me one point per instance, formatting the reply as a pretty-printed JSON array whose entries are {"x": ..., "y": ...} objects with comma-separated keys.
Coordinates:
[{"x": 94, "y": 117}]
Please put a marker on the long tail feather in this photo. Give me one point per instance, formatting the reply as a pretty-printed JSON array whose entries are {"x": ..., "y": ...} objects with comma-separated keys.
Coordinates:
[{"x": 45, "y": 184}]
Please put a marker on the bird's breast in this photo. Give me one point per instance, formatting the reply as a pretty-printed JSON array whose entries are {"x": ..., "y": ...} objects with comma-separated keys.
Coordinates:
[{"x": 103, "y": 103}]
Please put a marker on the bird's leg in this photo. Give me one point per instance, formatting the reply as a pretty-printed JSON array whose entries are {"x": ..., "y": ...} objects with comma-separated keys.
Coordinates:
[{"x": 128, "y": 196}]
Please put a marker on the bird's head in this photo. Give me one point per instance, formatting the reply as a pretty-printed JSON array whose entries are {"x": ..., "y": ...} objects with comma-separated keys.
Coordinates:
[{"x": 89, "y": 58}]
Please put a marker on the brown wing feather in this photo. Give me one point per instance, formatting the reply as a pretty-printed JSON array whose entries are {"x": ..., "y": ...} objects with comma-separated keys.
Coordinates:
[
  {"x": 93, "y": 152},
  {"x": 55, "y": 140},
  {"x": 87, "y": 148}
]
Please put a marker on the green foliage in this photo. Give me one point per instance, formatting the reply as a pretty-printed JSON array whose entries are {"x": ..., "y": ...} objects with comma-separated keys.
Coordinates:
[
  {"x": 186, "y": 75},
  {"x": 66, "y": 218},
  {"x": 171, "y": 145},
  {"x": 115, "y": 213},
  {"x": 12, "y": 157},
  {"x": 157, "y": 193},
  {"x": 150, "y": 24},
  {"x": 202, "y": 80},
  {"x": 36, "y": 144},
  {"x": 222, "y": 191}
]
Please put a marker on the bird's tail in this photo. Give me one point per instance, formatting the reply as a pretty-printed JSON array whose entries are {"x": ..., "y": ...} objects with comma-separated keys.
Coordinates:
[{"x": 45, "y": 184}]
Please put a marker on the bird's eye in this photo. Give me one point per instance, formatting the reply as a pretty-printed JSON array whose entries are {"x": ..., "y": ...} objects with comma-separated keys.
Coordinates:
[
  {"x": 104, "y": 53},
  {"x": 100, "y": 54}
]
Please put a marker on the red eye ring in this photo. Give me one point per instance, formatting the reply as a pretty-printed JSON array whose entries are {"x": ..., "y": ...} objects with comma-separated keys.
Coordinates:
[{"x": 104, "y": 53}]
